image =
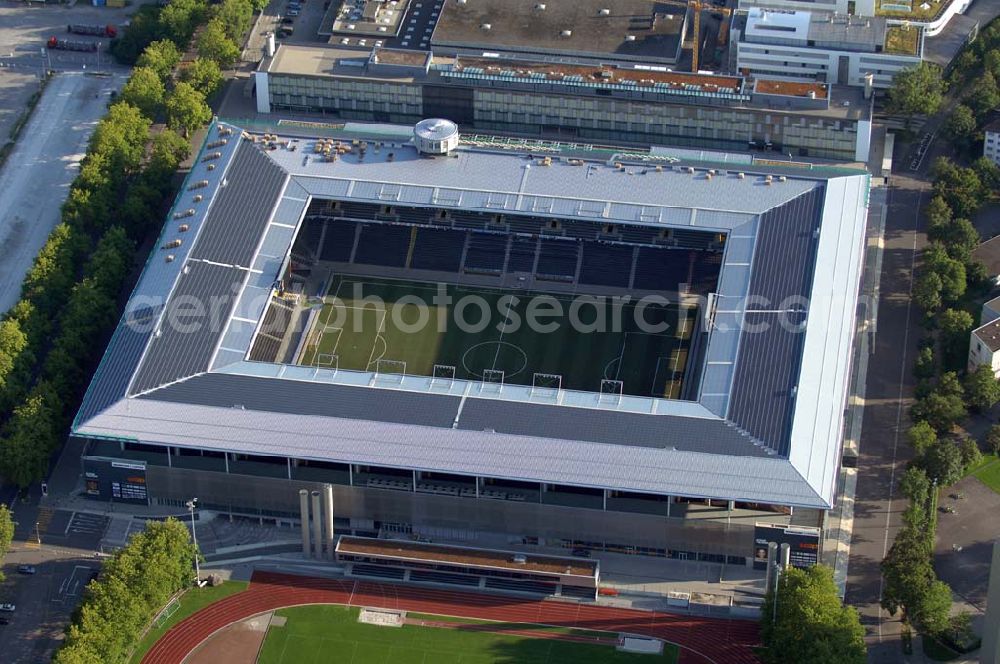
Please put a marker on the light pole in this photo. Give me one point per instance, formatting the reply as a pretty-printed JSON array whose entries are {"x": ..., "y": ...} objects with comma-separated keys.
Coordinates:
[{"x": 191, "y": 505}]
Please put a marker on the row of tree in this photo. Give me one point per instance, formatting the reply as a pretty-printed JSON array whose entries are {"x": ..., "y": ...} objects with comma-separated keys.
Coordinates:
[
  {"x": 52, "y": 338},
  {"x": 133, "y": 585},
  {"x": 950, "y": 282}
]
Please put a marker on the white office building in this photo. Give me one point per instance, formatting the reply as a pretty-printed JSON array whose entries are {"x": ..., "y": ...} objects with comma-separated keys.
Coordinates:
[
  {"x": 991, "y": 142},
  {"x": 856, "y": 7},
  {"x": 824, "y": 47}
]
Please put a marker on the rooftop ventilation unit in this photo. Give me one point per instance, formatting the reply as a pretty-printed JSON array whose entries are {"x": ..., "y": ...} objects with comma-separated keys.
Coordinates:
[
  {"x": 486, "y": 27},
  {"x": 605, "y": 12},
  {"x": 435, "y": 136},
  {"x": 566, "y": 33},
  {"x": 540, "y": 6},
  {"x": 630, "y": 38}
]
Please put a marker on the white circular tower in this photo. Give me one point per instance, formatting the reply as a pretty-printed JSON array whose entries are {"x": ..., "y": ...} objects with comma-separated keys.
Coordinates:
[{"x": 435, "y": 136}]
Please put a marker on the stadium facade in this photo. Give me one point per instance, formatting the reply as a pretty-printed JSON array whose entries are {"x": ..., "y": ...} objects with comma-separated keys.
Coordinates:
[{"x": 202, "y": 391}]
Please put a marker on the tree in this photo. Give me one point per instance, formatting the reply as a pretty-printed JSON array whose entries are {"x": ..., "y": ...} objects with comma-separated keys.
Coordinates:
[
  {"x": 955, "y": 325},
  {"x": 30, "y": 436},
  {"x": 984, "y": 96},
  {"x": 991, "y": 62},
  {"x": 926, "y": 364},
  {"x": 167, "y": 153},
  {"x": 144, "y": 27},
  {"x": 907, "y": 571},
  {"x": 186, "y": 109},
  {"x": 938, "y": 217},
  {"x": 235, "y": 16},
  {"x": 961, "y": 124},
  {"x": 6, "y": 533},
  {"x": 179, "y": 19},
  {"x": 960, "y": 187},
  {"x": 811, "y": 624},
  {"x": 988, "y": 173},
  {"x": 204, "y": 76},
  {"x": 993, "y": 439},
  {"x": 931, "y": 615},
  {"x": 213, "y": 44},
  {"x": 121, "y": 137},
  {"x": 917, "y": 90},
  {"x": 915, "y": 485},
  {"x": 940, "y": 411},
  {"x": 927, "y": 292},
  {"x": 144, "y": 90},
  {"x": 982, "y": 388},
  {"x": 921, "y": 436},
  {"x": 970, "y": 453},
  {"x": 943, "y": 463},
  {"x": 160, "y": 56},
  {"x": 962, "y": 238}
]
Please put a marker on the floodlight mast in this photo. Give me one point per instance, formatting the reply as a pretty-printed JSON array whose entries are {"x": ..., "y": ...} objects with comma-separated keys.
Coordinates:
[{"x": 191, "y": 505}]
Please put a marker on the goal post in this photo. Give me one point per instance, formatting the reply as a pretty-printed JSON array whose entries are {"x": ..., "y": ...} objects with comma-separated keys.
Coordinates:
[
  {"x": 611, "y": 391},
  {"x": 546, "y": 385}
]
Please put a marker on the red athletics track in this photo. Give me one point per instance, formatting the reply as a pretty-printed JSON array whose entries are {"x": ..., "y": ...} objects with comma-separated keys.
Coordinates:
[{"x": 702, "y": 640}]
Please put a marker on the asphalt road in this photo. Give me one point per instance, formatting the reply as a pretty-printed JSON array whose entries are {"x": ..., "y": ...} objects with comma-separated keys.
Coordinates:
[
  {"x": 883, "y": 449},
  {"x": 35, "y": 180}
]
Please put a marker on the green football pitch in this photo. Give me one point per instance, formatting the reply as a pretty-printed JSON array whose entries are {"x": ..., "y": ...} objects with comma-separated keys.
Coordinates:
[
  {"x": 326, "y": 633},
  {"x": 483, "y": 334}
]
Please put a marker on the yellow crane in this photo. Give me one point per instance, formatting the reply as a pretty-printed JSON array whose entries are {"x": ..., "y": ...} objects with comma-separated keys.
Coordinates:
[{"x": 697, "y": 8}]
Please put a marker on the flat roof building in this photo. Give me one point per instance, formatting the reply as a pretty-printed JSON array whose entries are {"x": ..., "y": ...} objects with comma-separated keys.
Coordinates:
[
  {"x": 217, "y": 397},
  {"x": 623, "y": 102},
  {"x": 595, "y": 30},
  {"x": 829, "y": 48}
]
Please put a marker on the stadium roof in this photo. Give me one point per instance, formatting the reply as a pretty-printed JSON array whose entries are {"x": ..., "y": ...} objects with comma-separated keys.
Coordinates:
[{"x": 767, "y": 423}]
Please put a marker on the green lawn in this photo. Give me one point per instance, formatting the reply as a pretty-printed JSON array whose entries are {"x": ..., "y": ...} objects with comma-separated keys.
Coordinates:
[
  {"x": 988, "y": 472},
  {"x": 501, "y": 347},
  {"x": 315, "y": 634},
  {"x": 190, "y": 602}
]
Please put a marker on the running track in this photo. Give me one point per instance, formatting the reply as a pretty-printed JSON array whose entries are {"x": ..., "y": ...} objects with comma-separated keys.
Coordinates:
[{"x": 702, "y": 640}]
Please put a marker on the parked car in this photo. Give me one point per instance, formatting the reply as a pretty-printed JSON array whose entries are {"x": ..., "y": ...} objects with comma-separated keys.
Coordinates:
[
  {"x": 287, "y": 20},
  {"x": 25, "y": 569},
  {"x": 581, "y": 553},
  {"x": 4, "y": 620},
  {"x": 292, "y": 12},
  {"x": 8, "y": 608}
]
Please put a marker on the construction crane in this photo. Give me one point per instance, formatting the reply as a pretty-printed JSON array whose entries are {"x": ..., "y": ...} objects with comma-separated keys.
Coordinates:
[{"x": 697, "y": 8}]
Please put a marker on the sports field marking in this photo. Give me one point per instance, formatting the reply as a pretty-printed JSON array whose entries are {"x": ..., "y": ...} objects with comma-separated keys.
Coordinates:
[
  {"x": 378, "y": 336},
  {"x": 506, "y": 318},
  {"x": 656, "y": 377}
]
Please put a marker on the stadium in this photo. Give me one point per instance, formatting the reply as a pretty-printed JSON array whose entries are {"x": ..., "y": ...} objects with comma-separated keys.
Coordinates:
[{"x": 644, "y": 351}]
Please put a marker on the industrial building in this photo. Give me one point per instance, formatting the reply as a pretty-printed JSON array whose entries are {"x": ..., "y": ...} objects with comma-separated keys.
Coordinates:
[{"x": 226, "y": 378}]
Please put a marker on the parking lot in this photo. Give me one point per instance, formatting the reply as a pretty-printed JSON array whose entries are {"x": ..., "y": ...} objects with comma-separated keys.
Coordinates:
[{"x": 24, "y": 30}]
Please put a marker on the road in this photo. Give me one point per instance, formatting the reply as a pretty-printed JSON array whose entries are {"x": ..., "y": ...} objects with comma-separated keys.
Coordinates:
[
  {"x": 35, "y": 180},
  {"x": 60, "y": 545},
  {"x": 884, "y": 451}
]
